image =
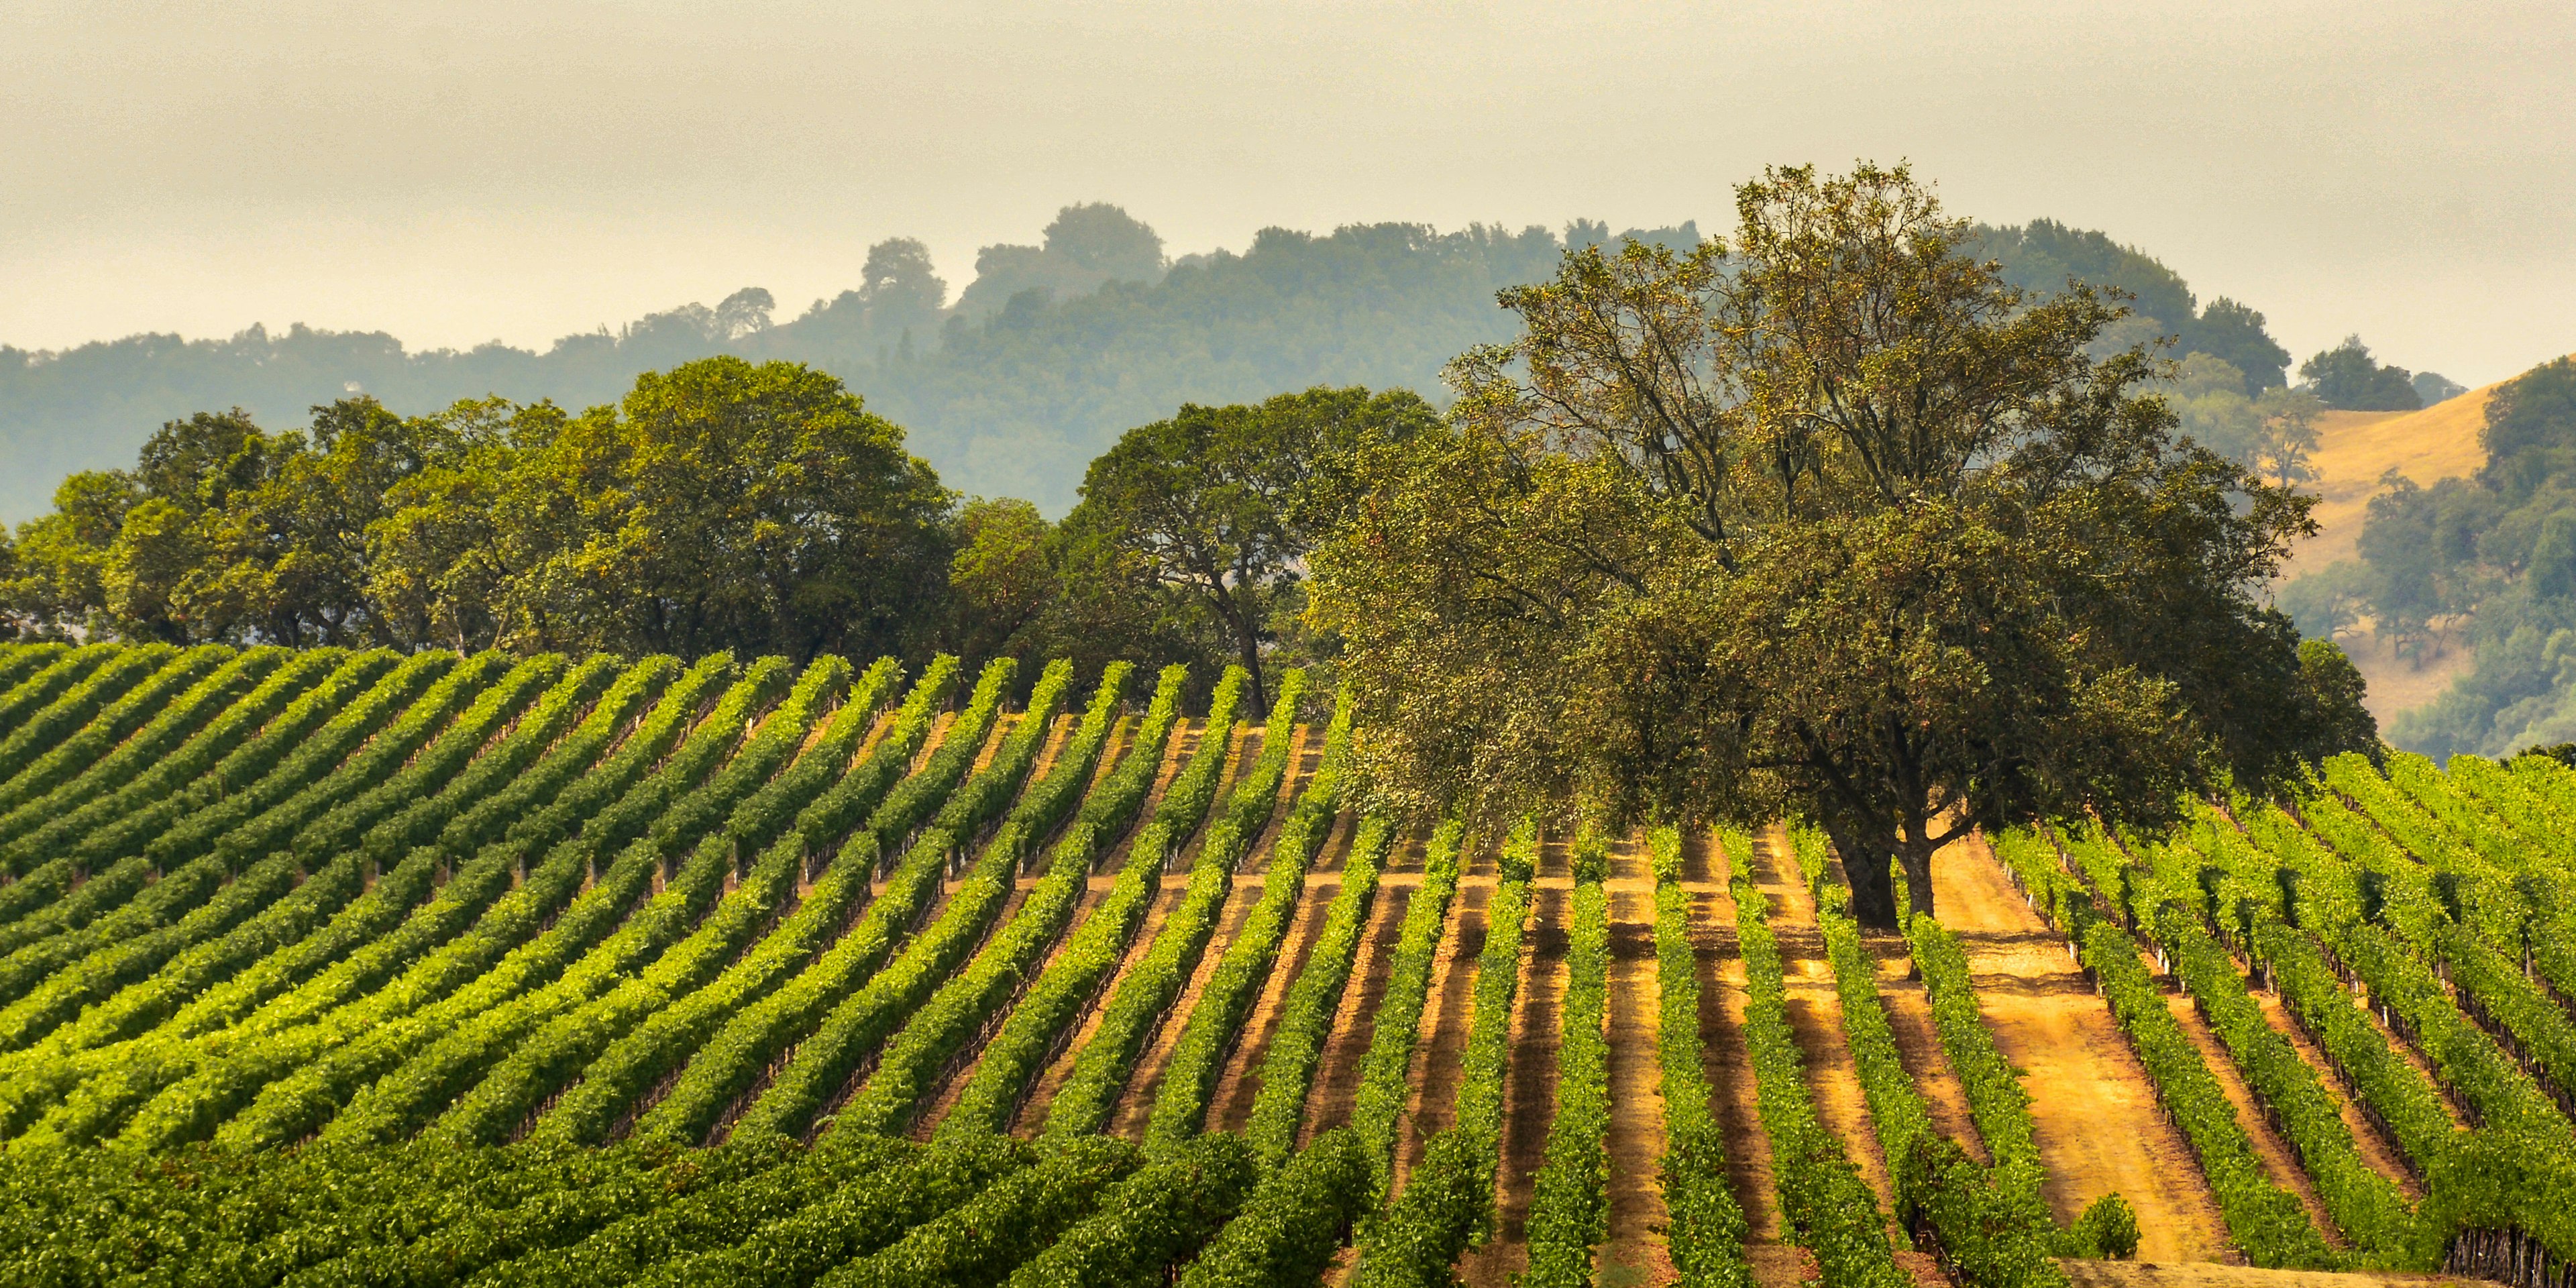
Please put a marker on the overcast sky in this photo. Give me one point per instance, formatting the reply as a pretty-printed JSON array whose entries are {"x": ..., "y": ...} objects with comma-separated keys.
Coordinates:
[{"x": 454, "y": 173}]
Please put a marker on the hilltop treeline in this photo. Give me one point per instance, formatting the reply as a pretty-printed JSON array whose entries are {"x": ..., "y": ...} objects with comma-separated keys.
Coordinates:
[{"x": 1035, "y": 367}]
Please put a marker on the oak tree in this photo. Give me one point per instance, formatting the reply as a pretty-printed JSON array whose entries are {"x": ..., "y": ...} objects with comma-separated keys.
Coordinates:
[{"x": 1829, "y": 522}]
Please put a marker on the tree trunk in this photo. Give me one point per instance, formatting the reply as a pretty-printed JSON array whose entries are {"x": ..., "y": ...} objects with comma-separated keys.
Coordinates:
[
  {"x": 1914, "y": 854},
  {"x": 1865, "y": 862},
  {"x": 1251, "y": 646}
]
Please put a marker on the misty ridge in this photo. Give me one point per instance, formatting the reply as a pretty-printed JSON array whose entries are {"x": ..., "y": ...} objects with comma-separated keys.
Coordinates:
[{"x": 1010, "y": 386}]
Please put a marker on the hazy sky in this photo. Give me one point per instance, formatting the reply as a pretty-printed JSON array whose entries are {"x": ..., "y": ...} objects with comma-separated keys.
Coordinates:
[{"x": 455, "y": 173}]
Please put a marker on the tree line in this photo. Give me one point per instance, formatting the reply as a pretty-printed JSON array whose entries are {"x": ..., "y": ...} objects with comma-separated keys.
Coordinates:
[
  {"x": 1011, "y": 385},
  {"x": 724, "y": 504}
]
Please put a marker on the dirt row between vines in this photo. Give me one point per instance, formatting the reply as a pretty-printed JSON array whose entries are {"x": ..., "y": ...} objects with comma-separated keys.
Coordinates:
[
  {"x": 1231, "y": 1108},
  {"x": 1146, "y": 1084},
  {"x": 2099, "y": 1127},
  {"x": 943, "y": 1095},
  {"x": 1032, "y": 1117}
]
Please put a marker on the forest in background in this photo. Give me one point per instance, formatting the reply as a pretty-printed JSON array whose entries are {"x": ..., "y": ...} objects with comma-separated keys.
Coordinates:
[{"x": 1012, "y": 385}]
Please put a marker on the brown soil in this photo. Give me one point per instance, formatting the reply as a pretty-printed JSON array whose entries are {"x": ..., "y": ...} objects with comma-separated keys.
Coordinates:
[
  {"x": 1529, "y": 1086},
  {"x": 1178, "y": 749},
  {"x": 1636, "y": 1253},
  {"x": 884, "y": 721},
  {"x": 1241, "y": 751},
  {"x": 1231, "y": 1108},
  {"x": 1816, "y": 1017},
  {"x": 1337, "y": 1074},
  {"x": 1918, "y": 1042},
  {"x": 1032, "y": 1115},
  {"x": 2279, "y": 1161},
  {"x": 2099, "y": 1127},
  {"x": 1446, "y": 1015},
  {"x": 943, "y": 1094},
  {"x": 1001, "y": 731},
  {"x": 2150, "y": 1274},
  {"x": 1730, "y": 1063},
  {"x": 1136, "y": 1108}
]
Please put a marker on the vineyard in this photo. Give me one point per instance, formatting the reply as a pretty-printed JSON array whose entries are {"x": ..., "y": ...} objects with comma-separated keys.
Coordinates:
[{"x": 329, "y": 967}]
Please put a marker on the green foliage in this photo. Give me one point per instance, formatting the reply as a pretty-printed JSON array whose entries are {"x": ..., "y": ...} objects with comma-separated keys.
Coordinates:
[
  {"x": 1151, "y": 1223},
  {"x": 1202, "y": 522},
  {"x": 852, "y": 1030},
  {"x": 1866, "y": 569},
  {"x": 1569, "y": 1213},
  {"x": 719, "y": 504},
  {"x": 379, "y": 931},
  {"x": 136, "y": 680},
  {"x": 1708, "y": 1228},
  {"x": 1447, "y": 1204},
  {"x": 1137, "y": 1008},
  {"x": 1313, "y": 1002},
  {"x": 2265, "y": 1220},
  {"x": 99, "y": 758},
  {"x": 491, "y": 1051},
  {"x": 984, "y": 1240},
  {"x": 1996, "y": 1099},
  {"x": 2365, "y": 1205},
  {"x": 919, "y": 1055},
  {"x": 1011, "y": 1062},
  {"x": 1377, "y": 1109},
  {"x": 1226, "y": 997},
  {"x": 2347, "y": 378},
  {"x": 317, "y": 1051},
  {"x": 1988, "y": 1230},
  {"x": 2108, "y": 1228},
  {"x": 1829, "y": 1209},
  {"x": 2043, "y": 255},
  {"x": 1296, "y": 1219}
]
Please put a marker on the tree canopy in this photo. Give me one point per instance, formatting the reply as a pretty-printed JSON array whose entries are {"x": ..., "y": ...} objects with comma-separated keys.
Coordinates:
[
  {"x": 2347, "y": 378},
  {"x": 1220, "y": 506},
  {"x": 1830, "y": 522},
  {"x": 721, "y": 505}
]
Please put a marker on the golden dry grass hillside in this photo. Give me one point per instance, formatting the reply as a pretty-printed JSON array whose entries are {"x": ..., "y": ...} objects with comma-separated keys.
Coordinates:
[
  {"x": 2355, "y": 450},
  {"x": 2357, "y": 447}
]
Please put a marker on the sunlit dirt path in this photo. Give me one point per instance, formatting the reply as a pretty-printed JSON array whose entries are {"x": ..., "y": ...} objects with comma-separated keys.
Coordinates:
[
  {"x": 1776, "y": 1264},
  {"x": 2098, "y": 1124},
  {"x": 1636, "y": 1252},
  {"x": 1529, "y": 1088}
]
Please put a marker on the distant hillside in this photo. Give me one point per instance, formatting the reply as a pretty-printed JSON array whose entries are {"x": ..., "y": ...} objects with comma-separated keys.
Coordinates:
[
  {"x": 2447, "y": 563},
  {"x": 1009, "y": 387},
  {"x": 2356, "y": 448}
]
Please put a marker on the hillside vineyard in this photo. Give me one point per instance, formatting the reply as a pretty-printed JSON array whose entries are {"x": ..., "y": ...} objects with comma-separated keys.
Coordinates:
[{"x": 323, "y": 967}]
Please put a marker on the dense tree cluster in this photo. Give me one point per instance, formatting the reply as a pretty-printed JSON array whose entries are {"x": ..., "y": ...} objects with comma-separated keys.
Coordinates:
[
  {"x": 2045, "y": 256},
  {"x": 721, "y": 505},
  {"x": 2347, "y": 378}
]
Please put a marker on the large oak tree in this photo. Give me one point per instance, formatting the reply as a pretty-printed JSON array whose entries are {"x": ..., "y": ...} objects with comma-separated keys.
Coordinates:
[{"x": 1830, "y": 522}]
